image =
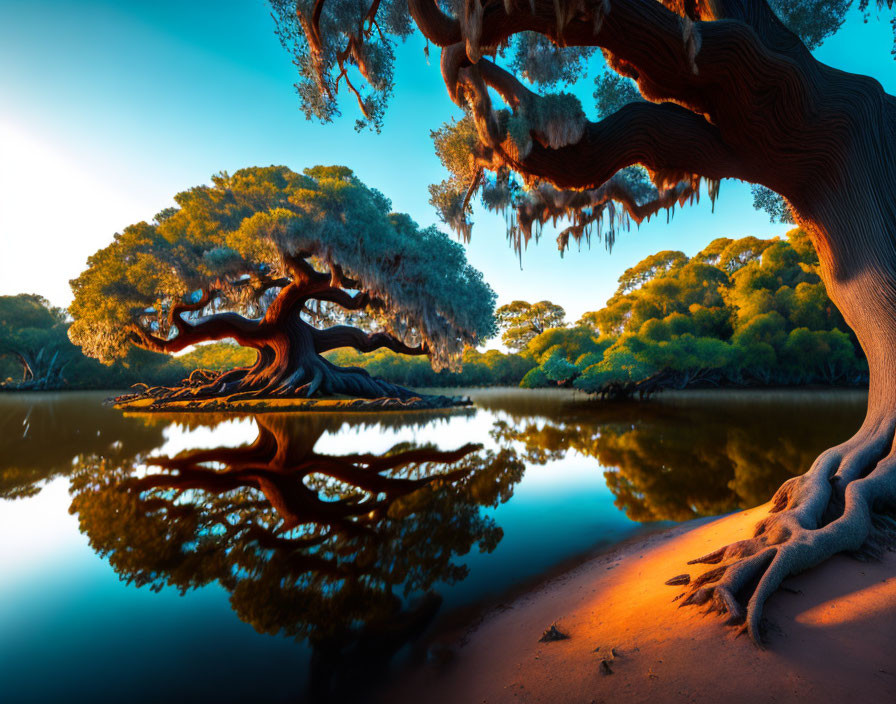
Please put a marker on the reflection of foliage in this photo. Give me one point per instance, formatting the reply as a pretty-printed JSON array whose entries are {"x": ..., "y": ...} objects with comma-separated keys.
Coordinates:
[
  {"x": 311, "y": 545},
  {"x": 678, "y": 463},
  {"x": 42, "y": 435}
]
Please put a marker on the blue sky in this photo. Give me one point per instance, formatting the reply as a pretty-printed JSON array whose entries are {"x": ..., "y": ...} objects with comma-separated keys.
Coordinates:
[{"x": 107, "y": 109}]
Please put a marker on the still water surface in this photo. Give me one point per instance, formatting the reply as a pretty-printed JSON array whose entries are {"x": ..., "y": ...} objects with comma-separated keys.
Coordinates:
[{"x": 302, "y": 557}]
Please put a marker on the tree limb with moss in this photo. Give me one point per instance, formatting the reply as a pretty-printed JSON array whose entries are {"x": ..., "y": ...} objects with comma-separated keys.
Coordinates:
[{"x": 724, "y": 87}]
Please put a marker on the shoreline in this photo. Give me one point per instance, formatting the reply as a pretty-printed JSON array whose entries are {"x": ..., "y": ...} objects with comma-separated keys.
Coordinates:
[
  {"x": 290, "y": 405},
  {"x": 696, "y": 389},
  {"x": 832, "y": 635},
  {"x": 459, "y": 623}
]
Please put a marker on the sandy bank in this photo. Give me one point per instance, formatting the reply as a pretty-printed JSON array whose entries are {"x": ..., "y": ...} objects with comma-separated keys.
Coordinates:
[{"x": 833, "y": 637}]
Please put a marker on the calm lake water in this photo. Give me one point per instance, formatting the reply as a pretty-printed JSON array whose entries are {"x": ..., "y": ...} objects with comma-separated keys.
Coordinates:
[{"x": 304, "y": 557}]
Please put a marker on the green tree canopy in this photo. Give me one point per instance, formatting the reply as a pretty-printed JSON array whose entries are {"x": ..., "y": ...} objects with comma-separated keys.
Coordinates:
[
  {"x": 260, "y": 256},
  {"x": 521, "y": 321},
  {"x": 746, "y": 311},
  {"x": 32, "y": 340}
]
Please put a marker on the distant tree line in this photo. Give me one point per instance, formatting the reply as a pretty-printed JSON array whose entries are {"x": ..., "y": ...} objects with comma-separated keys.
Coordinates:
[
  {"x": 36, "y": 354},
  {"x": 745, "y": 312}
]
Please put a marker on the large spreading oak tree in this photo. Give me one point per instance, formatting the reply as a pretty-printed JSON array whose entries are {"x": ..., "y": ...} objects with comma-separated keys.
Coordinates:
[
  {"x": 724, "y": 89},
  {"x": 263, "y": 257}
]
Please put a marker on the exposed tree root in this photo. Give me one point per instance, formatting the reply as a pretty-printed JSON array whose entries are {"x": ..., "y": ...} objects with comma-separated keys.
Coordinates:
[
  {"x": 314, "y": 377},
  {"x": 845, "y": 503}
]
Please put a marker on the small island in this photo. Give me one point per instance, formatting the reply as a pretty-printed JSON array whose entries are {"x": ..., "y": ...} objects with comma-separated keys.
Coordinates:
[{"x": 264, "y": 257}]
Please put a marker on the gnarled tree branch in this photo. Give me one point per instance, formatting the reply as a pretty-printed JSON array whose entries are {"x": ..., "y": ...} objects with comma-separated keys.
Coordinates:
[
  {"x": 217, "y": 327},
  {"x": 667, "y": 139},
  {"x": 347, "y": 336}
]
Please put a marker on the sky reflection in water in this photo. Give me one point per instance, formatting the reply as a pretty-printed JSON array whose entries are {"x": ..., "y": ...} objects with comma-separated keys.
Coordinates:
[{"x": 351, "y": 533}]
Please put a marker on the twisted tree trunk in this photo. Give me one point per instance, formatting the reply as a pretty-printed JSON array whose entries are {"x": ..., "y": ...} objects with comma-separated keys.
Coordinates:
[
  {"x": 27, "y": 372},
  {"x": 846, "y": 502},
  {"x": 288, "y": 362},
  {"x": 733, "y": 94},
  {"x": 828, "y": 142}
]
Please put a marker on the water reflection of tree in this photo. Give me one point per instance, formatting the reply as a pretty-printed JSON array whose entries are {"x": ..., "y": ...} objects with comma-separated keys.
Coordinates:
[
  {"x": 665, "y": 462},
  {"x": 318, "y": 546},
  {"x": 41, "y": 435}
]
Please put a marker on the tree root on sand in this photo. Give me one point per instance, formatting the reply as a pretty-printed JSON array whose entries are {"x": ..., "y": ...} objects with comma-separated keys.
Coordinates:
[{"x": 845, "y": 503}]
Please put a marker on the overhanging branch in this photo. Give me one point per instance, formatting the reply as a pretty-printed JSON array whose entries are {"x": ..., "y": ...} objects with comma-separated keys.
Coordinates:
[
  {"x": 217, "y": 327},
  {"x": 671, "y": 142},
  {"x": 347, "y": 336}
]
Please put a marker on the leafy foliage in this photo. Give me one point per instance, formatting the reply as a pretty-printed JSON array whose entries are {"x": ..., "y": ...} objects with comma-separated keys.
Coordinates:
[
  {"x": 521, "y": 321},
  {"x": 454, "y": 143},
  {"x": 217, "y": 356},
  {"x": 489, "y": 368},
  {"x": 326, "y": 51},
  {"x": 815, "y": 20},
  {"x": 34, "y": 328},
  {"x": 33, "y": 346},
  {"x": 740, "y": 312},
  {"x": 37, "y": 354},
  {"x": 612, "y": 91},
  {"x": 769, "y": 201},
  {"x": 232, "y": 241}
]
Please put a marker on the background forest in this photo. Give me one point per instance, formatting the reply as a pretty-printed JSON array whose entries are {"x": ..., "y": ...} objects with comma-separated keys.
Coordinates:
[{"x": 746, "y": 312}]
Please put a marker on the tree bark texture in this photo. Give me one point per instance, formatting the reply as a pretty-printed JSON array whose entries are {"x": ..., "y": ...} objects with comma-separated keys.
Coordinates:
[
  {"x": 733, "y": 94},
  {"x": 289, "y": 361}
]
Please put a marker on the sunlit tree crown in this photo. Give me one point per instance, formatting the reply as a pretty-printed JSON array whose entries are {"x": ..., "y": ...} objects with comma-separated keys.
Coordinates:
[{"x": 236, "y": 241}]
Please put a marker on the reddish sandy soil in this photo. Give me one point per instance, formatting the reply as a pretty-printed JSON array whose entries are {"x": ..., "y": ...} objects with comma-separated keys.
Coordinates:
[{"x": 832, "y": 636}]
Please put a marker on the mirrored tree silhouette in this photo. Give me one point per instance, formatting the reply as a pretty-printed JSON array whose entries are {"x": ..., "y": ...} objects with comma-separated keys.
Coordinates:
[{"x": 344, "y": 550}]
